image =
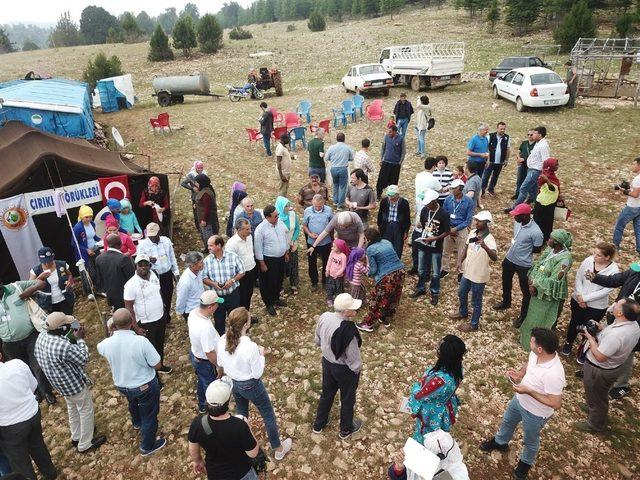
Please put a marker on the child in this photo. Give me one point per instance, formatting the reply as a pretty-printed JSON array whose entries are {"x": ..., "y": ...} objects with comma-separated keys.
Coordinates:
[
  {"x": 128, "y": 219},
  {"x": 357, "y": 267},
  {"x": 458, "y": 173},
  {"x": 336, "y": 266},
  {"x": 391, "y": 122}
]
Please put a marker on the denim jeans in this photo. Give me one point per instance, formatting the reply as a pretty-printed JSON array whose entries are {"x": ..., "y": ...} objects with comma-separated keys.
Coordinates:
[
  {"x": 231, "y": 301},
  {"x": 206, "y": 375},
  {"x": 529, "y": 187},
  {"x": 491, "y": 171},
  {"x": 420, "y": 134},
  {"x": 266, "y": 141},
  {"x": 340, "y": 177},
  {"x": 531, "y": 426},
  {"x": 144, "y": 405},
  {"x": 520, "y": 176},
  {"x": 253, "y": 391},
  {"x": 429, "y": 263},
  {"x": 321, "y": 172},
  {"x": 402, "y": 124},
  {"x": 476, "y": 289},
  {"x": 628, "y": 214}
]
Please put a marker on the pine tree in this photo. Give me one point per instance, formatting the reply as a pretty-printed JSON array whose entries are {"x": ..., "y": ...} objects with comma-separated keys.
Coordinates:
[
  {"x": 522, "y": 13},
  {"x": 130, "y": 27},
  {"x": 5, "y": 43},
  {"x": 101, "y": 67},
  {"x": 65, "y": 34},
  {"x": 390, "y": 6},
  {"x": 316, "y": 22},
  {"x": 579, "y": 22},
  {"x": 184, "y": 35},
  {"x": 493, "y": 16},
  {"x": 159, "y": 49},
  {"x": 209, "y": 34},
  {"x": 369, "y": 7}
]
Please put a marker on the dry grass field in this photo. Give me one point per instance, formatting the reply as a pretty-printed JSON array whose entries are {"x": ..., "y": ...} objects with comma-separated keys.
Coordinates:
[{"x": 594, "y": 146}]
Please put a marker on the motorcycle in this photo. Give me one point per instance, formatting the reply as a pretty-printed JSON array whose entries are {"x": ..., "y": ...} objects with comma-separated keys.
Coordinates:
[{"x": 250, "y": 90}]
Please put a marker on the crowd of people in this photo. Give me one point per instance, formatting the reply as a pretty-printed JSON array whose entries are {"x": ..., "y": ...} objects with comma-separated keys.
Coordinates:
[{"x": 360, "y": 235}]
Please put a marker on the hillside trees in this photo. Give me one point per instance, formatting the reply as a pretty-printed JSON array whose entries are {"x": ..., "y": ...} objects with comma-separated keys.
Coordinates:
[
  {"x": 28, "y": 46},
  {"x": 521, "y": 14},
  {"x": 65, "y": 33},
  {"x": 159, "y": 49},
  {"x": 101, "y": 67},
  {"x": 145, "y": 22},
  {"x": 130, "y": 28},
  {"x": 184, "y": 35},
  {"x": 209, "y": 34},
  {"x": 388, "y": 7},
  {"x": 316, "y": 22},
  {"x": 5, "y": 43},
  {"x": 579, "y": 22},
  {"x": 168, "y": 19},
  {"x": 95, "y": 23},
  {"x": 191, "y": 10},
  {"x": 493, "y": 16}
]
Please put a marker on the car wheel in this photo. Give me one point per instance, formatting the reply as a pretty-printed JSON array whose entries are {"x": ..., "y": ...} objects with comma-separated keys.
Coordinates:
[
  {"x": 385, "y": 92},
  {"x": 495, "y": 92},
  {"x": 164, "y": 99},
  {"x": 415, "y": 83},
  {"x": 519, "y": 105}
]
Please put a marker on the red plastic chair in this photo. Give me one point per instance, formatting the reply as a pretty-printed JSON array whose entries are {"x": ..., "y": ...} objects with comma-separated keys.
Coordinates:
[
  {"x": 324, "y": 124},
  {"x": 277, "y": 116},
  {"x": 163, "y": 120},
  {"x": 254, "y": 135},
  {"x": 291, "y": 120},
  {"x": 278, "y": 132},
  {"x": 155, "y": 125},
  {"x": 378, "y": 101},
  {"x": 374, "y": 112}
]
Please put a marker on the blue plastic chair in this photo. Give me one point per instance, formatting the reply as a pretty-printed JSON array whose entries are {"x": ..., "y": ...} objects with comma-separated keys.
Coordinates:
[
  {"x": 339, "y": 116},
  {"x": 297, "y": 134},
  {"x": 304, "y": 110},
  {"x": 358, "y": 103},
  {"x": 348, "y": 109}
]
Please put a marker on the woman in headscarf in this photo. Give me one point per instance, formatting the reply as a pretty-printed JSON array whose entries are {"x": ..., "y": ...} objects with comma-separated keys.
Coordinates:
[
  {"x": 128, "y": 218},
  {"x": 189, "y": 184},
  {"x": 238, "y": 193},
  {"x": 548, "y": 197},
  {"x": 157, "y": 200},
  {"x": 113, "y": 227},
  {"x": 206, "y": 208},
  {"x": 287, "y": 217},
  {"x": 548, "y": 279},
  {"x": 85, "y": 241}
]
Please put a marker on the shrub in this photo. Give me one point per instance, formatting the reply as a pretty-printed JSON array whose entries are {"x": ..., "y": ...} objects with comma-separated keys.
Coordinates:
[
  {"x": 159, "y": 49},
  {"x": 625, "y": 24},
  {"x": 238, "y": 33},
  {"x": 291, "y": 27},
  {"x": 579, "y": 22},
  {"x": 209, "y": 34},
  {"x": 316, "y": 22},
  {"x": 184, "y": 35},
  {"x": 101, "y": 67}
]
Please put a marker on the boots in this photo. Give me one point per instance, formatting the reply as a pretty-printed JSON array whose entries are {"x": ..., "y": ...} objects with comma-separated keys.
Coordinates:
[
  {"x": 520, "y": 472},
  {"x": 491, "y": 444}
]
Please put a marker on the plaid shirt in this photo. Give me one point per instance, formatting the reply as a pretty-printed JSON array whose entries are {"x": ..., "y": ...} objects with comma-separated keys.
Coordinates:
[
  {"x": 63, "y": 362},
  {"x": 393, "y": 211},
  {"x": 222, "y": 270}
]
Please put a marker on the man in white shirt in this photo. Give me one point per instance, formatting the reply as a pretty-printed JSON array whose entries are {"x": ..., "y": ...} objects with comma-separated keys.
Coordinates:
[
  {"x": 160, "y": 251},
  {"x": 190, "y": 285},
  {"x": 204, "y": 344},
  {"x": 540, "y": 152},
  {"x": 242, "y": 245},
  {"x": 425, "y": 179},
  {"x": 143, "y": 300},
  {"x": 20, "y": 427},
  {"x": 538, "y": 386},
  {"x": 631, "y": 211}
]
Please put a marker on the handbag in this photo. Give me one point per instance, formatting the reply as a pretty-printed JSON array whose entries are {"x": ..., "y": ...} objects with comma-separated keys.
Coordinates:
[
  {"x": 431, "y": 123},
  {"x": 561, "y": 213},
  {"x": 37, "y": 315}
]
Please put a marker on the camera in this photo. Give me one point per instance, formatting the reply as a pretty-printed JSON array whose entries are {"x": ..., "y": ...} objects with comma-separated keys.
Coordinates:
[
  {"x": 623, "y": 185},
  {"x": 591, "y": 327},
  {"x": 474, "y": 239}
]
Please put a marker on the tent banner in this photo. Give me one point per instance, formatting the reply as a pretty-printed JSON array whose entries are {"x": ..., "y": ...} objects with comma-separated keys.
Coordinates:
[
  {"x": 20, "y": 234},
  {"x": 74, "y": 196},
  {"x": 114, "y": 187}
]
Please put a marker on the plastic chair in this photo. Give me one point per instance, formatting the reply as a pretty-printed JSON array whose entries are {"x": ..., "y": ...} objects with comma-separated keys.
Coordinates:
[
  {"x": 277, "y": 116},
  {"x": 348, "y": 109},
  {"x": 155, "y": 125},
  {"x": 278, "y": 132},
  {"x": 163, "y": 120},
  {"x": 378, "y": 101},
  {"x": 339, "y": 116},
  {"x": 324, "y": 124},
  {"x": 374, "y": 112},
  {"x": 358, "y": 104},
  {"x": 304, "y": 110},
  {"x": 298, "y": 134},
  {"x": 291, "y": 119},
  {"x": 254, "y": 136}
]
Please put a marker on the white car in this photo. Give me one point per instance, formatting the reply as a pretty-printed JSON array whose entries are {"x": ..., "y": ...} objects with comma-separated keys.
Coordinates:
[
  {"x": 371, "y": 77},
  {"x": 532, "y": 87}
]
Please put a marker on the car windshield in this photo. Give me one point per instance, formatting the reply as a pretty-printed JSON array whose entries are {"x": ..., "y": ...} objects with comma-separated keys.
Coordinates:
[
  {"x": 369, "y": 69},
  {"x": 545, "y": 78}
]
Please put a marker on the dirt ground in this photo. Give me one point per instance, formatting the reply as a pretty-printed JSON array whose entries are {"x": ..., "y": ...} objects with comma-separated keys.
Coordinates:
[{"x": 594, "y": 145}]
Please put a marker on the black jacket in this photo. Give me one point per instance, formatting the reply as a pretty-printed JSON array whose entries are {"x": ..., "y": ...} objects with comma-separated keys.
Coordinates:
[
  {"x": 403, "y": 110},
  {"x": 113, "y": 270},
  {"x": 266, "y": 123},
  {"x": 403, "y": 217},
  {"x": 627, "y": 280}
]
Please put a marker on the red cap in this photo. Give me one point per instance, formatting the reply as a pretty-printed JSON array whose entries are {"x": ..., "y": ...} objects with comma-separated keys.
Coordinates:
[{"x": 522, "y": 209}]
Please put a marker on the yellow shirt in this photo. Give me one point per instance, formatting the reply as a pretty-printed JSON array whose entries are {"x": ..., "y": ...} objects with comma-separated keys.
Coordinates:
[
  {"x": 476, "y": 266},
  {"x": 547, "y": 196}
]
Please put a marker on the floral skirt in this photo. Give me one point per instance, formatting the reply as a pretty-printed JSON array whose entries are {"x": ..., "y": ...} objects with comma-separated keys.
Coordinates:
[{"x": 385, "y": 298}]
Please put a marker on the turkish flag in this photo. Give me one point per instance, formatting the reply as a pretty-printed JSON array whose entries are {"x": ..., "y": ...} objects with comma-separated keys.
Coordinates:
[{"x": 114, "y": 187}]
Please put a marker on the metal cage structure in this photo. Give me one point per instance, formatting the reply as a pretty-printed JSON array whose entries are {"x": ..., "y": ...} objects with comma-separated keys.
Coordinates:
[{"x": 608, "y": 67}]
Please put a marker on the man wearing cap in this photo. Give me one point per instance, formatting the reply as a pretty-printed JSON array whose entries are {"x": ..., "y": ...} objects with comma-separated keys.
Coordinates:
[
  {"x": 394, "y": 218},
  {"x": 57, "y": 294},
  {"x": 475, "y": 267},
  {"x": 134, "y": 362},
  {"x": 223, "y": 271},
  {"x": 217, "y": 428},
  {"x": 190, "y": 285},
  {"x": 143, "y": 300},
  {"x": 160, "y": 251},
  {"x": 339, "y": 340},
  {"x": 434, "y": 222},
  {"x": 460, "y": 209},
  {"x": 311, "y": 189},
  {"x": 113, "y": 270},
  {"x": 63, "y": 356},
  {"x": 392, "y": 155},
  {"x": 204, "y": 343},
  {"x": 527, "y": 239}
]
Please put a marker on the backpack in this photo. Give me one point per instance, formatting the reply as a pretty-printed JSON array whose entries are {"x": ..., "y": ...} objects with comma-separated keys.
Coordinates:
[{"x": 431, "y": 123}]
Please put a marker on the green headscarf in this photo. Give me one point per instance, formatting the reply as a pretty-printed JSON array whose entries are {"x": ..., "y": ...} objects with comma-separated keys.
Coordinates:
[{"x": 563, "y": 237}]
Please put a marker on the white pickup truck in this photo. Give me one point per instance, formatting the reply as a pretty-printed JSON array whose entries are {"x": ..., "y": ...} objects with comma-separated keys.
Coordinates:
[{"x": 428, "y": 65}]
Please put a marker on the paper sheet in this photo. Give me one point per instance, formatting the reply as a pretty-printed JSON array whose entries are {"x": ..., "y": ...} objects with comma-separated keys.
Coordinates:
[{"x": 420, "y": 460}]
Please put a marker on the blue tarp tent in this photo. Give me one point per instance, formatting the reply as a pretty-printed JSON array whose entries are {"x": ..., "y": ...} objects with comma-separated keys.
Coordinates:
[
  {"x": 114, "y": 93},
  {"x": 55, "y": 105}
]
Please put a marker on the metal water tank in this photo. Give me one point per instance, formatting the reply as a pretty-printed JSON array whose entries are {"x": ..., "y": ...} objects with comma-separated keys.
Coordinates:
[{"x": 182, "y": 84}]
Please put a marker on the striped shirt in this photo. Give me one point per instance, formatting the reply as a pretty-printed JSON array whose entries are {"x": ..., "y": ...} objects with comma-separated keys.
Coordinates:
[
  {"x": 359, "y": 269},
  {"x": 223, "y": 269},
  {"x": 445, "y": 178}
]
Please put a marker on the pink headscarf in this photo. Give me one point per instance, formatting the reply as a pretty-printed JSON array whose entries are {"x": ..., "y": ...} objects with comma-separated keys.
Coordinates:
[
  {"x": 110, "y": 221},
  {"x": 342, "y": 246}
]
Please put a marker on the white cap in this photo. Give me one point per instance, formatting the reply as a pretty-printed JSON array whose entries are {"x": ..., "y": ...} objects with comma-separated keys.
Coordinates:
[
  {"x": 484, "y": 216},
  {"x": 429, "y": 196},
  {"x": 344, "y": 301},
  {"x": 219, "y": 391},
  {"x": 456, "y": 183},
  {"x": 153, "y": 229},
  {"x": 142, "y": 257},
  {"x": 392, "y": 190}
]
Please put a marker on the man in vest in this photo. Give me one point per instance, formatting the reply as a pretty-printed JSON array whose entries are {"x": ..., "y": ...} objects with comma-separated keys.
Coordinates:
[
  {"x": 392, "y": 156},
  {"x": 499, "y": 152}
]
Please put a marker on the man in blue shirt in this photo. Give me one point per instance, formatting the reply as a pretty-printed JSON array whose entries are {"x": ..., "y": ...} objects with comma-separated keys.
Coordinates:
[
  {"x": 339, "y": 155},
  {"x": 315, "y": 220},
  {"x": 460, "y": 209},
  {"x": 190, "y": 285},
  {"x": 478, "y": 148},
  {"x": 249, "y": 212},
  {"x": 392, "y": 155},
  {"x": 134, "y": 363}
]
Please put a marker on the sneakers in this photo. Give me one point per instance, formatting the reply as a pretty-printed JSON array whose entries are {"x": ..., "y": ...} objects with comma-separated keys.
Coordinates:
[
  {"x": 491, "y": 444},
  {"x": 356, "y": 426},
  {"x": 271, "y": 310},
  {"x": 364, "y": 327},
  {"x": 317, "y": 431},
  {"x": 417, "y": 293},
  {"x": 385, "y": 323},
  {"x": 501, "y": 306},
  {"x": 468, "y": 328},
  {"x": 585, "y": 427},
  {"x": 618, "y": 393},
  {"x": 91, "y": 297},
  {"x": 165, "y": 369},
  {"x": 566, "y": 349},
  {"x": 443, "y": 273},
  {"x": 286, "y": 446},
  {"x": 434, "y": 299},
  {"x": 521, "y": 470},
  {"x": 160, "y": 443}
]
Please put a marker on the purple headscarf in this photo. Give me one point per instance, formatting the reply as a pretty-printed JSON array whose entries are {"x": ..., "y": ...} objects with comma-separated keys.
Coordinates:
[{"x": 356, "y": 254}]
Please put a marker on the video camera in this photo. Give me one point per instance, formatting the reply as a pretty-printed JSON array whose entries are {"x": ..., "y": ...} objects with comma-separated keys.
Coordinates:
[
  {"x": 623, "y": 185},
  {"x": 591, "y": 327}
]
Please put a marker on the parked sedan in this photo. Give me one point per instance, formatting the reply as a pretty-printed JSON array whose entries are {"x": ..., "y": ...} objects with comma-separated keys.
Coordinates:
[
  {"x": 509, "y": 63},
  {"x": 371, "y": 77},
  {"x": 532, "y": 87}
]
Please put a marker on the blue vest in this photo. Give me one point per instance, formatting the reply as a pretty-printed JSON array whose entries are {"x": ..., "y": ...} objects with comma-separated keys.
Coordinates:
[
  {"x": 43, "y": 297},
  {"x": 393, "y": 149}
]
